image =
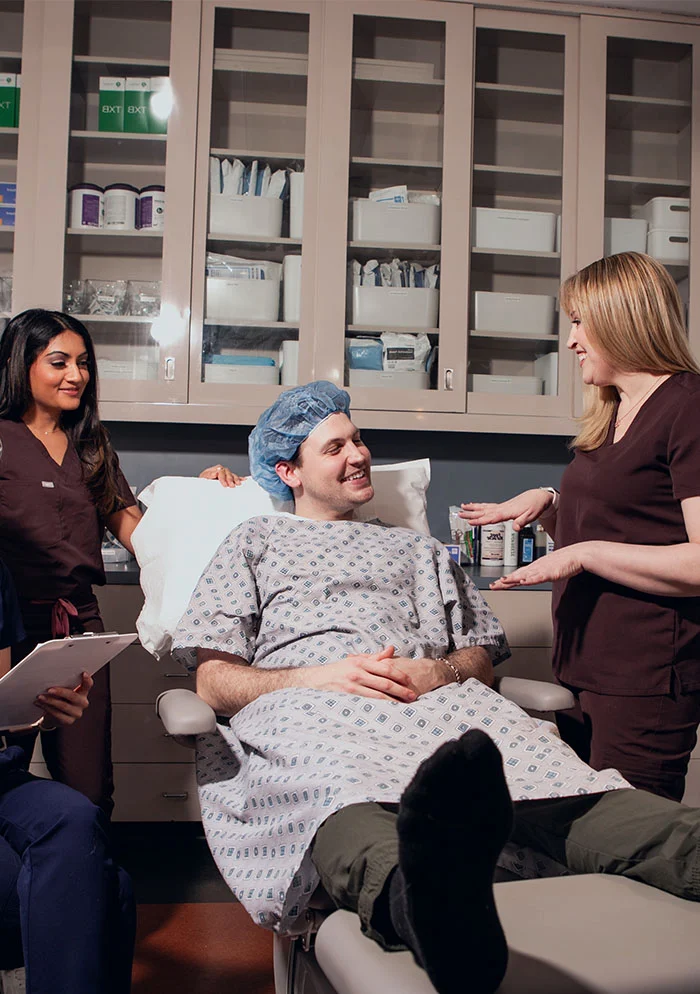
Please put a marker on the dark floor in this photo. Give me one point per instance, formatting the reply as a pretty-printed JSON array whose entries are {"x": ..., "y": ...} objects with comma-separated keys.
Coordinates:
[{"x": 169, "y": 863}]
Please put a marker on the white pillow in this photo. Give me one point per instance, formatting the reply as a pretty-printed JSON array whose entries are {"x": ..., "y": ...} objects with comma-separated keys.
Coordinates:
[{"x": 187, "y": 519}]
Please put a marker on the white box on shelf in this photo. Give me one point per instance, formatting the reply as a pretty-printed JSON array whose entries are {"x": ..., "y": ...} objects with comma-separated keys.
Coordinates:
[
  {"x": 289, "y": 361},
  {"x": 391, "y": 379},
  {"x": 229, "y": 300},
  {"x": 296, "y": 204},
  {"x": 395, "y": 307},
  {"x": 235, "y": 214},
  {"x": 523, "y": 313},
  {"x": 402, "y": 224},
  {"x": 665, "y": 212},
  {"x": 547, "y": 369},
  {"x": 291, "y": 287},
  {"x": 489, "y": 383},
  {"x": 668, "y": 244},
  {"x": 127, "y": 362},
  {"x": 530, "y": 231},
  {"x": 258, "y": 375},
  {"x": 624, "y": 234}
]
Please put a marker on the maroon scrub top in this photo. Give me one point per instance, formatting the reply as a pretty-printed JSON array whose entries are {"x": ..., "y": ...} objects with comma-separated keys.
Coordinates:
[
  {"x": 50, "y": 530},
  {"x": 609, "y": 638}
]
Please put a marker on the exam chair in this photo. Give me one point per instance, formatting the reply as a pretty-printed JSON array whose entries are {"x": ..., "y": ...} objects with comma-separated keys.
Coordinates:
[{"x": 573, "y": 934}]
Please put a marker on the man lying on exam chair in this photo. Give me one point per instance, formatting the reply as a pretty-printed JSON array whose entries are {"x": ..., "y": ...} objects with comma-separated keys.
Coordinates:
[
  {"x": 345, "y": 651},
  {"x": 66, "y": 910}
]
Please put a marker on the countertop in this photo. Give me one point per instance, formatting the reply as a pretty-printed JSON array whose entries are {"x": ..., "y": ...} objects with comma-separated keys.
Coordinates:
[{"x": 481, "y": 576}]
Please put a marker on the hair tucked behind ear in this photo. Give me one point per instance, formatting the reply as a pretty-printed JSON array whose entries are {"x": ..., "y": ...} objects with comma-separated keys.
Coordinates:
[
  {"x": 633, "y": 314},
  {"x": 26, "y": 336}
]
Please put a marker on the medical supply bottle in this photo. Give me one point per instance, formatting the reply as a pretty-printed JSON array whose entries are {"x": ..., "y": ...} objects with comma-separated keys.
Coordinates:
[
  {"x": 540, "y": 542},
  {"x": 492, "y": 544},
  {"x": 526, "y": 545}
]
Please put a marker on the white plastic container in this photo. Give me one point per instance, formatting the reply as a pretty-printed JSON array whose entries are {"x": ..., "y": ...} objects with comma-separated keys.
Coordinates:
[
  {"x": 296, "y": 204},
  {"x": 547, "y": 369},
  {"x": 490, "y": 383},
  {"x": 291, "y": 287},
  {"x": 665, "y": 212},
  {"x": 86, "y": 206},
  {"x": 510, "y": 545},
  {"x": 492, "y": 544},
  {"x": 523, "y": 313},
  {"x": 395, "y": 307},
  {"x": 289, "y": 361},
  {"x": 234, "y": 214},
  {"x": 388, "y": 379},
  {"x": 152, "y": 208},
  {"x": 402, "y": 224},
  {"x": 214, "y": 373},
  {"x": 625, "y": 234},
  {"x": 533, "y": 231},
  {"x": 668, "y": 244},
  {"x": 121, "y": 207},
  {"x": 229, "y": 300}
]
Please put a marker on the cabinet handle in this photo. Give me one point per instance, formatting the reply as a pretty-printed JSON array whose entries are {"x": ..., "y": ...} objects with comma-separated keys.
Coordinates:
[
  {"x": 170, "y": 368},
  {"x": 177, "y": 676},
  {"x": 447, "y": 382},
  {"x": 175, "y": 797}
]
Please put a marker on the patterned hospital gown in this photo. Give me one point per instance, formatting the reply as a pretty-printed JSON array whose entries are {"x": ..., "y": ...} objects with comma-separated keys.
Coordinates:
[{"x": 284, "y": 591}]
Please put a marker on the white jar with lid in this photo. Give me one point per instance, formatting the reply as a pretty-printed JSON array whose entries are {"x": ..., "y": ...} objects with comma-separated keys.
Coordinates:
[
  {"x": 492, "y": 544},
  {"x": 152, "y": 208},
  {"x": 121, "y": 203},
  {"x": 86, "y": 206}
]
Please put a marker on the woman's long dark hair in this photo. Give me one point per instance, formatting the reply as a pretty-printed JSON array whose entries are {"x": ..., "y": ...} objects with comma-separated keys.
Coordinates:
[{"x": 26, "y": 336}]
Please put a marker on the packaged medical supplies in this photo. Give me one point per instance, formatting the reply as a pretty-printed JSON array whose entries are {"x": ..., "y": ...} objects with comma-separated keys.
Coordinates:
[
  {"x": 5, "y": 294},
  {"x": 106, "y": 297},
  {"x": 464, "y": 535},
  {"x": 405, "y": 352},
  {"x": 246, "y": 199},
  {"x": 86, "y": 208},
  {"x": 121, "y": 207},
  {"x": 8, "y": 193},
  {"x": 240, "y": 368},
  {"x": 364, "y": 353},
  {"x": 241, "y": 289},
  {"x": 143, "y": 298},
  {"x": 151, "y": 208}
]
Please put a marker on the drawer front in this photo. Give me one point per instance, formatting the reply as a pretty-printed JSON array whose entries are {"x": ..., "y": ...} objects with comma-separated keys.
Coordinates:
[
  {"x": 138, "y": 736},
  {"x": 525, "y": 615},
  {"x": 532, "y": 663},
  {"x": 137, "y": 677},
  {"x": 155, "y": 792}
]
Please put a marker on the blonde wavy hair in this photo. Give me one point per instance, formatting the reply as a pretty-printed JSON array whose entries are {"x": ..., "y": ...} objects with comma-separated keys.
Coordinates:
[{"x": 631, "y": 310}]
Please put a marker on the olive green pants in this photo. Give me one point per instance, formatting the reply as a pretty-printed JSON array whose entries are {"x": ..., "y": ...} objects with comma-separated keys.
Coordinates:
[{"x": 628, "y": 832}]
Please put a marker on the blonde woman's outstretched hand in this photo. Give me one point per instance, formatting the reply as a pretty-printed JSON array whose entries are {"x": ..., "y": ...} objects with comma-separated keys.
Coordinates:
[{"x": 521, "y": 510}]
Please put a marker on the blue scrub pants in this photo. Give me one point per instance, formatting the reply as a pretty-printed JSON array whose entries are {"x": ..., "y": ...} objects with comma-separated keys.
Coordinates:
[{"x": 73, "y": 906}]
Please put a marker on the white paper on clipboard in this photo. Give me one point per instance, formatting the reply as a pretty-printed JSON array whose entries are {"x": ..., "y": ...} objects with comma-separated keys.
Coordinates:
[{"x": 58, "y": 663}]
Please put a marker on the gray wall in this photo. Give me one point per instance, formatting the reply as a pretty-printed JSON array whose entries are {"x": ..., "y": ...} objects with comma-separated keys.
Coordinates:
[{"x": 464, "y": 467}]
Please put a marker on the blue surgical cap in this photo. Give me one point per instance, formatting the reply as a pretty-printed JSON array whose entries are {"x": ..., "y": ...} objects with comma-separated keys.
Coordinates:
[{"x": 283, "y": 427}]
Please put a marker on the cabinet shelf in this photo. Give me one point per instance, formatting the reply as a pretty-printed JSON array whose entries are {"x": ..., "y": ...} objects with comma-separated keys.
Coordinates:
[
  {"x": 118, "y": 148},
  {"x": 639, "y": 189},
  {"x": 393, "y": 247},
  {"x": 11, "y": 55},
  {"x": 114, "y": 243},
  {"x": 398, "y": 98},
  {"x": 514, "y": 181},
  {"x": 273, "y": 158},
  {"x": 373, "y": 329},
  {"x": 112, "y": 61},
  {"x": 629, "y": 113},
  {"x": 263, "y": 325},
  {"x": 8, "y": 143},
  {"x": 516, "y": 262},
  {"x": 233, "y": 239},
  {"x": 113, "y": 319},
  {"x": 512, "y": 341},
  {"x": 534, "y": 104}
]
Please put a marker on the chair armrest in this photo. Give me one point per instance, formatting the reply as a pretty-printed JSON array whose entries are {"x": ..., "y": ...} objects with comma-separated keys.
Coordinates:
[
  {"x": 184, "y": 714},
  {"x": 535, "y": 695}
]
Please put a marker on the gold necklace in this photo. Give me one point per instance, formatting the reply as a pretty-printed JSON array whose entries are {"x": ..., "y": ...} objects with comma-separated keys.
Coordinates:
[
  {"x": 656, "y": 383},
  {"x": 49, "y": 432}
]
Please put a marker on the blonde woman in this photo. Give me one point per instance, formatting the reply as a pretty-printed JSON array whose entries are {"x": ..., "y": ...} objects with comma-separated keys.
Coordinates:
[{"x": 626, "y": 568}]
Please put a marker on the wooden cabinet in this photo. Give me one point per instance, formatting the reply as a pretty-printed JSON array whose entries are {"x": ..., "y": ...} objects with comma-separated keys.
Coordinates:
[
  {"x": 489, "y": 119},
  {"x": 11, "y": 32}
]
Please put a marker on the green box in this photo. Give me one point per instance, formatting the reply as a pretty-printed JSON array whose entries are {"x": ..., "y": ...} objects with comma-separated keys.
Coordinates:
[
  {"x": 18, "y": 93},
  {"x": 8, "y": 100},
  {"x": 111, "y": 116},
  {"x": 160, "y": 103},
  {"x": 136, "y": 95}
]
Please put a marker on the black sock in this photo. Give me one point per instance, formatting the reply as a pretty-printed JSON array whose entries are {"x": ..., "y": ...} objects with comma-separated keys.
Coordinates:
[{"x": 454, "y": 818}]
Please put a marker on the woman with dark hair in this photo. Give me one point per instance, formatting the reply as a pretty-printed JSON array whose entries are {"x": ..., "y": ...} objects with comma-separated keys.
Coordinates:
[{"x": 60, "y": 486}]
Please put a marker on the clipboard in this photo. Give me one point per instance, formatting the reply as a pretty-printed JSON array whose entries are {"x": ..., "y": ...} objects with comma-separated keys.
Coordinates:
[{"x": 58, "y": 663}]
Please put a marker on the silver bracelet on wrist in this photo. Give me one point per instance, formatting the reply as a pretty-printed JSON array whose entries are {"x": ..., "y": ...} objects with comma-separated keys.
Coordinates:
[
  {"x": 553, "y": 507},
  {"x": 457, "y": 674}
]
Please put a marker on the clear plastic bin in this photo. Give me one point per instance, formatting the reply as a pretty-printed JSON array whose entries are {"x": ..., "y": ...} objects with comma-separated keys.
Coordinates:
[
  {"x": 395, "y": 307},
  {"x": 533, "y": 231},
  {"x": 522, "y": 313},
  {"x": 229, "y": 300},
  {"x": 235, "y": 214},
  {"x": 400, "y": 224}
]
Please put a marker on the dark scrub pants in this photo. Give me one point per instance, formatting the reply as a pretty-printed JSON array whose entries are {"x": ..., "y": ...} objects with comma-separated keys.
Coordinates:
[
  {"x": 59, "y": 886},
  {"x": 627, "y": 832}
]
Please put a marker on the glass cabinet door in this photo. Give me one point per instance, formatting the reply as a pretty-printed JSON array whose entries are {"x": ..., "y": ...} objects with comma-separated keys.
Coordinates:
[
  {"x": 126, "y": 156},
  {"x": 637, "y": 135},
  {"x": 401, "y": 109},
  {"x": 250, "y": 309},
  {"x": 523, "y": 212},
  {"x": 11, "y": 12}
]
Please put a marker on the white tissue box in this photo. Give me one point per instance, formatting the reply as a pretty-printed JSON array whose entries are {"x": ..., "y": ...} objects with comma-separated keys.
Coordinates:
[
  {"x": 395, "y": 307},
  {"x": 400, "y": 224},
  {"x": 489, "y": 383},
  {"x": 523, "y": 313},
  {"x": 533, "y": 231},
  {"x": 389, "y": 379},
  {"x": 668, "y": 244},
  {"x": 625, "y": 234},
  {"x": 213, "y": 373},
  {"x": 234, "y": 214},
  {"x": 665, "y": 212},
  {"x": 230, "y": 300}
]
